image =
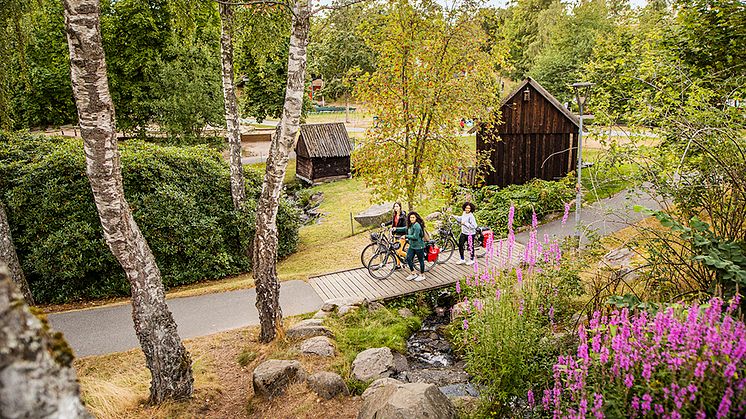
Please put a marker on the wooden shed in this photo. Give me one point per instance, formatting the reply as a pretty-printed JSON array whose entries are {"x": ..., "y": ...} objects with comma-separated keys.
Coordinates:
[
  {"x": 323, "y": 152},
  {"x": 536, "y": 137}
]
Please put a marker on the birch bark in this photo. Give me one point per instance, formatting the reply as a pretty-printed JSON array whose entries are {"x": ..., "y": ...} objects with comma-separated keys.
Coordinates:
[
  {"x": 9, "y": 256},
  {"x": 265, "y": 240},
  {"x": 165, "y": 355},
  {"x": 233, "y": 135},
  {"x": 36, "y": 378}
]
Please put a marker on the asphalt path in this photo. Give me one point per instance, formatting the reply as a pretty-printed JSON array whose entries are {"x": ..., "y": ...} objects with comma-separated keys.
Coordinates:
[
  {"x": 105, "y": 330},
  {"x": 603, "y": 217}
]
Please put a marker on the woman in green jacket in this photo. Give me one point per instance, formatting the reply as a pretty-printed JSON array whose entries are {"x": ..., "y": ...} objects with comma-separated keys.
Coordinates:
[{"x": 415, "y": 231}]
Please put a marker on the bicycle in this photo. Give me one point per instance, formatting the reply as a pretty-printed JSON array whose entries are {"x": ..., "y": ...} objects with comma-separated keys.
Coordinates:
[
  {"x": 446, "y": 240},
  {"x": 384, "y": 261},
  {"x": 377, "y": 239}
]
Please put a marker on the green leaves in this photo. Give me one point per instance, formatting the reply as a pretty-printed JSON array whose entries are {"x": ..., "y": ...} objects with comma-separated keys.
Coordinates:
[{"x": 180, "y": 198}]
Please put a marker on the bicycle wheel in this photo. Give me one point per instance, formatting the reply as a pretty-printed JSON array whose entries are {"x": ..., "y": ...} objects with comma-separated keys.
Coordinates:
[
  {"x": 447, "y": 246},
  {"x": 382, "y": 264},
  {"x": 428, "y": 265},
  {"x": 367, "y": 253}
]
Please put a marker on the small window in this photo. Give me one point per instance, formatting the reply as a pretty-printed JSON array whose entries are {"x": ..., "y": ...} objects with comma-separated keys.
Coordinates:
[{"x": 526, "y": 95}]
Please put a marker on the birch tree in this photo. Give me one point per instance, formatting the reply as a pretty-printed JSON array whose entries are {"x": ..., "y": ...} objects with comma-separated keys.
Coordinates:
[
  {"x": 233, "y": 135},
  {"x": 265, "y": 240},
  {"x": 165, "y": 355},
  {"x": 37, "y": 379},
  {"x": 9, "y": 256}
]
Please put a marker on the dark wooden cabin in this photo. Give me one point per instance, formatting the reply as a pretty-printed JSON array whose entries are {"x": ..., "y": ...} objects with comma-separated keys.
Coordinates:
[
  {"x": 323, "y": 153},
  {"x": 536, "y": 137}
]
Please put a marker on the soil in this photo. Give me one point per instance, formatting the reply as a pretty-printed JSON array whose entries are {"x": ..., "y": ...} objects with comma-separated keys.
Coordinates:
[{"x": 223, "y": 388}]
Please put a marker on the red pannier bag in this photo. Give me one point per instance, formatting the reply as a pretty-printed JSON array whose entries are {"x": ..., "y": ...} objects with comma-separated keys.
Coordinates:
[
  {"x": 433, "y": 252},
  {"x": 487, "y": 236}
]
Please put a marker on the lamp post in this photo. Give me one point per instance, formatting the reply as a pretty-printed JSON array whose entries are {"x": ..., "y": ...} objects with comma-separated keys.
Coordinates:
[{"x": 582, "y": 90}]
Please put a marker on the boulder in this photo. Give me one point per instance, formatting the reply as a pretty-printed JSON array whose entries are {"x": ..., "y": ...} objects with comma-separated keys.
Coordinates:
[
  {"x": 327, "y": 384},
  {"x": 433, "y": 216},
  {"x": 405, "y": 401},
  {"x": 375, "y": 363},
  {"x": 308, "y": 329},
  {"x": 405, "y": 312},
  {"x": 321, "y": 314},
  {"x": 375, "y": 215},
  {"x": 332, "y": 304},
  {"x": 345, "y": 310},
  {"x": 319, "y": 345},
  {"x": 271, "y": 377},
  {"x": 375, "y": 385}
]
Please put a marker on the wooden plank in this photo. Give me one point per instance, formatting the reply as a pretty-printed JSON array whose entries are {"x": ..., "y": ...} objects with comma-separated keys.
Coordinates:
[
  {"x": 322, "y": 283},
  {"x": 340, "y": 286},
  {"x": 334, "y": 292},
  {"x": 319, "y": 290},
  {"x": 362, "y": 282},
  {"x": 360, "y": 289}
]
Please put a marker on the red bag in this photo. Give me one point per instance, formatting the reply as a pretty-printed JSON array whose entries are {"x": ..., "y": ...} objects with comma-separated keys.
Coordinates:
[
  {"x": 432, "y": 253},
  {"x": 487, "y": 236}
]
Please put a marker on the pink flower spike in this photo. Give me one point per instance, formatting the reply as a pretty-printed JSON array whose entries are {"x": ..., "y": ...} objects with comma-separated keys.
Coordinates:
[{"x": 567, "y": 213}]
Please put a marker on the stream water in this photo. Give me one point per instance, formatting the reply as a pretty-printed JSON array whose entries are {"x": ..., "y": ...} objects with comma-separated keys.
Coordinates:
[{"x": 432, "y": 359}]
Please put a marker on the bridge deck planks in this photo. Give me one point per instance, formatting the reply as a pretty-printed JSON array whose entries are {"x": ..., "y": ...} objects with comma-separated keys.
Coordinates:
[{"x": 358, "y": 283}]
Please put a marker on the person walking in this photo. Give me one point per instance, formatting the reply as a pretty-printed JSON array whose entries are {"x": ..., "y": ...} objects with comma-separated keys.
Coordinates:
[
  {"x": 468, "y": 231},
  {"x": 415, "y": 234}
]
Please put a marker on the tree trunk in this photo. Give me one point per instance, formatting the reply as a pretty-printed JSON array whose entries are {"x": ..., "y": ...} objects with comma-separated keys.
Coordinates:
[
  {"x": 36, "y": 377},
  {"x": 233, "y": 135},
  {"x": 9, "y": 256},
  {"x": 165, "y": 355},
  {"x": 265, "y": 241}
]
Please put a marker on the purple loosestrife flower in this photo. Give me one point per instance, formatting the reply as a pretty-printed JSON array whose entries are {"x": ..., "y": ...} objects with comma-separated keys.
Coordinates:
[
  {"x": 458, "y": 286},
  {"x": 530, "y": 397},
  {"x": 511, "y": 216},
  {"x": 724, "y": 407},
  {"x": 520, "y": 308},
  {"x": 497, "y": 294},
  {"x": 465, "y": 324},
  {"x": 534, "y": 220},
  {"x": 566, "y": 214},
  {"x": 598, "y": 402},
  {"x": 519, "y": 274}
]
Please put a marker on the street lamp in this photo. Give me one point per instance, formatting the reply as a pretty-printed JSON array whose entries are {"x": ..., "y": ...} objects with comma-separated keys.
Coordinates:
[{"x": 582, "y": 90}]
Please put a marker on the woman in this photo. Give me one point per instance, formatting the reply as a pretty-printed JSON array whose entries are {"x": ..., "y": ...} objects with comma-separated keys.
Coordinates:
[
  {"x": 415, "y": 231},
  {"x": 468, "y": 231},
  {"x": 399, "y": 219}
]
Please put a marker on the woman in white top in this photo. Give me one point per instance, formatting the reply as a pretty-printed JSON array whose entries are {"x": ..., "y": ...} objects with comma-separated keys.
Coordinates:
[{"x": 468, "y": 229}]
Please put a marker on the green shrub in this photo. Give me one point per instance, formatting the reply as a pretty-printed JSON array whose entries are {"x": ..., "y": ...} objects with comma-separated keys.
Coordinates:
[
  {"x": 180, "y": 198},
  {"x": 540, "y": 196},
  {"x": 510, "y": 328},
  {"x": 363, "y": 329}
]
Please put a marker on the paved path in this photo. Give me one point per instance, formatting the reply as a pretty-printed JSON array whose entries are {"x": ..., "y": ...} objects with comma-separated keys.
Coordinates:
[
  {"x": 603, "y": 217},
  {"x": 109, "y": 329}
]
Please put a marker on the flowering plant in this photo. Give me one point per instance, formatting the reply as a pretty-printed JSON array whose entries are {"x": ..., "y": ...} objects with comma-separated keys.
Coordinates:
[{"x": 685, "y": 361}]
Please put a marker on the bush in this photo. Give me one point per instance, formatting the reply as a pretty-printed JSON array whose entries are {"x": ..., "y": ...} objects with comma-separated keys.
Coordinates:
[
  {"x": 180, "y": 198},
  {"x": 685, "y": 361},
  {"x": 509, "y": 326},
  {"x": 539, "y": 196}
]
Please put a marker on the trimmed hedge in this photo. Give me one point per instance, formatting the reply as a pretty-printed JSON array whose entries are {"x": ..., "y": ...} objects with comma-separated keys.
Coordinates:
[
  {"x": 180, "y": 198},
  {"x": 544, "y": 197}
]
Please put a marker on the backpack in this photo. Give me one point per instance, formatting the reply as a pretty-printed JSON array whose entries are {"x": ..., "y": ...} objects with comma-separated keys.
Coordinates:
[{"x": 425, "y": 234}]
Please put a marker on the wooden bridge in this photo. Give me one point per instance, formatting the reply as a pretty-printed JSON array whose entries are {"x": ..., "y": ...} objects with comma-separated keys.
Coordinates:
[{"x": 359, "y": 283}]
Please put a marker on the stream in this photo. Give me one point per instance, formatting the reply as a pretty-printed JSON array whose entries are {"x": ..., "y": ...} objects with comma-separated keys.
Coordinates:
[{"x": 432, "y": 360}]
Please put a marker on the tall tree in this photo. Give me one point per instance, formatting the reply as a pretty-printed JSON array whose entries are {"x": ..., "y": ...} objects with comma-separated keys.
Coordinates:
[
  {"x": 37, "y": 380},
  {"x": 432, "y": 71},
  {"x": 9, "y": 257},
  {"x": 233, "y": 135},
  {"x": 265, "y": 240},
  {"x": 165, "y": 355}
]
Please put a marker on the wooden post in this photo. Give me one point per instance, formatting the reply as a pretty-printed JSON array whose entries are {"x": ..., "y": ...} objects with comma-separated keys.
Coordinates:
[{"x": 352, "y": 226}]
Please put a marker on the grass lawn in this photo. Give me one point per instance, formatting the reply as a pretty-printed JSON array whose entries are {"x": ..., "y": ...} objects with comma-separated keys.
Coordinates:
[{"x": 601, "y": 181}]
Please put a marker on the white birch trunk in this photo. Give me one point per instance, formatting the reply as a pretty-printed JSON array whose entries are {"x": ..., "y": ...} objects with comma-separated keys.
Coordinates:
[
  {"x": 265, "y": 241},
  {"x": 233, "y": 134},
  {"x": 165, "y": 355},
  {"x": 36, "y": 378},
  {"x": 9, "y": 256}
]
